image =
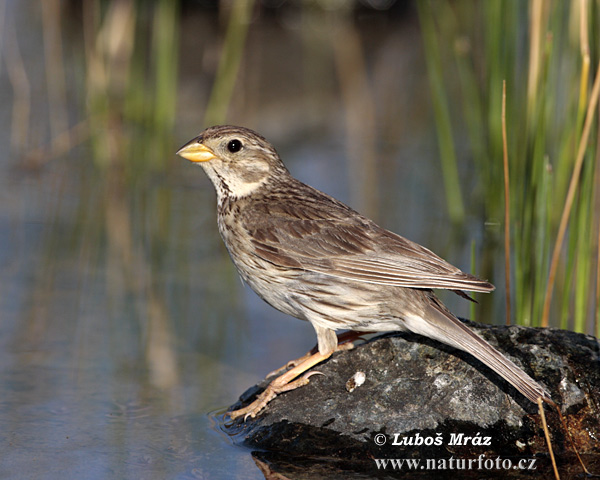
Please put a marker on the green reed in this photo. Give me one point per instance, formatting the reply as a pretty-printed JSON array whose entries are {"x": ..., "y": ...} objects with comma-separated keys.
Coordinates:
[
  {"x": 544, "y": 51},
  {"x": 442, "y": 117},
  {"x": 131, "y": 81},
  {"x": 229, "y": 64}
]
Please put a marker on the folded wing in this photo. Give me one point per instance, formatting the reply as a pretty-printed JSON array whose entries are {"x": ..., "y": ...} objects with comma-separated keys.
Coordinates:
[{"x": 323, "y": 235}]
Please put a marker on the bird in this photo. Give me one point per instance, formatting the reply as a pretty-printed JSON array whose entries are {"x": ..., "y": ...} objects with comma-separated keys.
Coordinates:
[{"x": 313, "y": 257}]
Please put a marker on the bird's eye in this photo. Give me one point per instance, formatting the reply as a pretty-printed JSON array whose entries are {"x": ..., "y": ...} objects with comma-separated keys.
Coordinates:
[{"x": 234, "y": 146}]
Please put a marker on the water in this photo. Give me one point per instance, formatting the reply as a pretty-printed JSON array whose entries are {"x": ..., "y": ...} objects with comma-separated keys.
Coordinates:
[{"x": 123, "y": 323}]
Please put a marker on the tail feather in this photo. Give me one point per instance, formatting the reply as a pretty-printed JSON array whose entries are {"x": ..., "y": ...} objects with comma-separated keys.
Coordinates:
[{"x": 446, "y": 328}]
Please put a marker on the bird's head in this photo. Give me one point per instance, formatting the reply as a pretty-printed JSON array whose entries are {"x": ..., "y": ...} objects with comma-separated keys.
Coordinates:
[{"x": 237, "y": 160}]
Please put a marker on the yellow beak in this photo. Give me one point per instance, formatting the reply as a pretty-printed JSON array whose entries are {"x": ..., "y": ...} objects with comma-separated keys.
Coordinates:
[{"x": 196, "y": 152}]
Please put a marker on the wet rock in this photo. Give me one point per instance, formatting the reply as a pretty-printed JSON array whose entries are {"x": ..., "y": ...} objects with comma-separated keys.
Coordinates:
[{"x": 421, "y": 399}]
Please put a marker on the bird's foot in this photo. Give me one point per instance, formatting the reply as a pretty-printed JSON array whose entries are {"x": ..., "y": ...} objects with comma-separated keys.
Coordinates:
[
  {"x": 345, "y": 342},
  {"x": 291, "y": 364},
  {"x": 284, "y": 383},
  {"x": 269, "y": 394}
]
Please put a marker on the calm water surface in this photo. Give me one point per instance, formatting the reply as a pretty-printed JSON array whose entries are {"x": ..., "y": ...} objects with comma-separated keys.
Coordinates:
[{"x": 123, "y": 323}]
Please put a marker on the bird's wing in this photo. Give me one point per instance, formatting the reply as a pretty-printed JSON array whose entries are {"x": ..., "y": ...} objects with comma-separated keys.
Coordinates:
[{"x": 323, "y": 235}]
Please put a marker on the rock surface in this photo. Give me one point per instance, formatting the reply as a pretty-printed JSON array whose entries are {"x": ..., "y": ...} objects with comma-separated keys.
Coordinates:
[{"x": 422, "y": 399}]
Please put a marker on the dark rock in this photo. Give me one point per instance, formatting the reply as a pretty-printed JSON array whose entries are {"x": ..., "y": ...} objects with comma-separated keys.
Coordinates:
[{"x": 422, "y": 399}]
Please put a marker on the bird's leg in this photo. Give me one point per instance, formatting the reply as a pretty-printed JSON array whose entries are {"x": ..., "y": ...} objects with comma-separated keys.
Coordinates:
[
  {"x": 283, "y": 383},
  {"x": 292, "y": 363},
  {"x": 286, "y": 382},
  {"x": 345, "y": 342},
  {"x": 350, "y": 336}
]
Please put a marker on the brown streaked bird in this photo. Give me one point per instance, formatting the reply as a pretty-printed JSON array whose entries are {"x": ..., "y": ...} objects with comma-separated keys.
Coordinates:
[{"x": 312, "y": 257}]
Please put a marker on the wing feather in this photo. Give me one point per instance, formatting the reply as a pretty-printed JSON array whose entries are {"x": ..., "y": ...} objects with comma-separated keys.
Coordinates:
[{"x": 317, "y": 233}]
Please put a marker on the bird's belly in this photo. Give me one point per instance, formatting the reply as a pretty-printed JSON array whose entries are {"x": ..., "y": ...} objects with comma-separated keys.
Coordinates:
[
  {"x": 328, "y": 301},
  {"x": 323, "y": 300},
  {"x": 274, "y": 287}
]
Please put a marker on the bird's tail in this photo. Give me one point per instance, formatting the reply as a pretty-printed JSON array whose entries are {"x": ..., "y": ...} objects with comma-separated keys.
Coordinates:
[{"x": 446, "y": 328}]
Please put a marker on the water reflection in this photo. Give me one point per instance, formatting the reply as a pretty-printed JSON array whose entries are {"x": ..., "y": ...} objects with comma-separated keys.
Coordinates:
[{"x": 122, "y": 319}]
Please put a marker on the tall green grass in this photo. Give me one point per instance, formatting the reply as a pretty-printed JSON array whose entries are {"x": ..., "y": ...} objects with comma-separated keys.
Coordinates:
[
  {"x": 544, "y": 51},
  {"x": 131, "y": 81},
  {"x": 229, "y": 64}
]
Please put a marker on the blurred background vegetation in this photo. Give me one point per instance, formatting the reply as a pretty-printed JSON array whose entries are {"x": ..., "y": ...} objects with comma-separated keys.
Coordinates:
[
  {"x": 110, "y": 84},
  {"x": 547, "y": 52},
  {"x": 108, "y": 242}
]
